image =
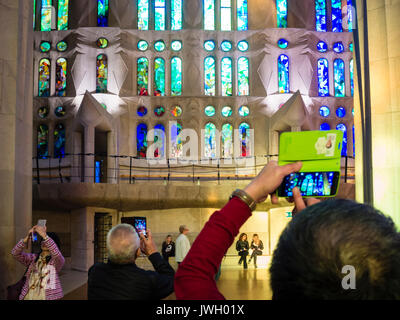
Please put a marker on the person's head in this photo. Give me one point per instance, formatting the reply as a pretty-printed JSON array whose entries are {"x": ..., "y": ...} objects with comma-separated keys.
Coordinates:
[
  {"x": 44, "y": 251},
  {"x": 123, "y": 244},
  {"x": 183, "y": 229},
  {"x": 309, "y": 260},
  {"x": 168, "y": 239},
  {"x": 243, "y": 237},
  {"x": 255, "y": 237}
]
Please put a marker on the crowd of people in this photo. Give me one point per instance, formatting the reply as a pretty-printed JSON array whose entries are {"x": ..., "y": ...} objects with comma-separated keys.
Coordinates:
[{"x": 322, "y": 238}]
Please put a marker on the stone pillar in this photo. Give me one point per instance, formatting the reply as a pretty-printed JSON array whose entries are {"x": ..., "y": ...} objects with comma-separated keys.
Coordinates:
[
  {"x": 384, "y": 64},
  {"x": 15, "y": 132},
  {"x": 82, "y": 221}
]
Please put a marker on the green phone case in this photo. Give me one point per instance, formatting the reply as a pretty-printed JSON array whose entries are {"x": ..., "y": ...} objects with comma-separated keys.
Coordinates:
[{"x": 319, "y": 151}]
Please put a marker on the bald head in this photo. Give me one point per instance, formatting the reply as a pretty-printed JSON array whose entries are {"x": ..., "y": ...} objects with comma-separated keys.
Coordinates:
[{"x": 122, "y": 244}]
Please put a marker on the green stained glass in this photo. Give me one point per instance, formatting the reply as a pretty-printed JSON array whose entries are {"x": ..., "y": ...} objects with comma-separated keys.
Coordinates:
[
  {"x": 244, "y": 134},
  {"x": 209, "y": 111},
  {"x": 227, "y": 140},
  {"x": 159, "y": 111},
  {"x": 159, "y": 46},
  {"x": 43, "y": 112},
  {"x": 159, "y": 15},
  {"x": 143, "y": 14},
  {"x": 102, "y": 74},
  {"x": 242, "y": 15},
  {"x": 62, "y": 46},
  {"x": 351, "y": 47},
  {"x": 43, "y": 141},
  {"x": 45, "y": 46},
  {"x": 226, "y": 19},
  {"x": 210, "y": 140},
  {"x": 209, "y": 76},
  {"x": 226, "y": 46},
  {"x": 44, "y": 78},
  {"x": 45, "y": 24},
  {"x": 102, "y": 43},
  {"x": 352, "y": 77},
  {"x": 142, "y": 76},
  {"x": 176, "y": 14},
  {"x": 104, "y": 106},
  {"x": 338, "y": 68},
  {"x": 226, "y": 111},
  {"x": 226, "y": 76},
  {"x": 209, "y": 14},
  {"x": 176, "y": 45},
  {"x": 282, "y": 11},
  {"x": 61, "y": 77},
  {"x": 176, "y": 76},
  {"x": 243, "y": 77},
  {"x": 176, "y": 111},
  {"x": 34, "y": 14},
  {"x": 142, "y": 45},
  {"x": 209, "y": 45},
  {"x": 102, "y": 13},
  {"x": 244, "y": 111},
  {"x": 243, "y": 45},
  {"x": 62, "y": 23},
  {"x": 159, "y": 77}
]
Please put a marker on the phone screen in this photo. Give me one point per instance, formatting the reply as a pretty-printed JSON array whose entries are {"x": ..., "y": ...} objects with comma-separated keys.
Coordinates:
[
  {"x": 140, "y": 225},
  {"x": 311, "y": 184}
]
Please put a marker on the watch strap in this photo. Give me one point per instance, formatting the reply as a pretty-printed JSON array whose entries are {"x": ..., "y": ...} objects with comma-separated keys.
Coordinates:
[{"x": 242, "y": 195}]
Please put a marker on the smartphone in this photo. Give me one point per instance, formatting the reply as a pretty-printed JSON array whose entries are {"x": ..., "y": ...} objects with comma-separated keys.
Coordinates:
[
  {"x": 311, "y": 184},
  {"x": 140, "y": 225},
  {"x": 41, "y": 223}
]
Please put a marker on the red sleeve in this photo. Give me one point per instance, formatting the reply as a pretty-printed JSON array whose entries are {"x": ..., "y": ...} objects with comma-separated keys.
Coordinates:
[{"x": 194, "y": 279}]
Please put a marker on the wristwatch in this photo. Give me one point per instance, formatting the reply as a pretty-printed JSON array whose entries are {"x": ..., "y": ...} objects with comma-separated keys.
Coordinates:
[{"x": 242, "y": 195}]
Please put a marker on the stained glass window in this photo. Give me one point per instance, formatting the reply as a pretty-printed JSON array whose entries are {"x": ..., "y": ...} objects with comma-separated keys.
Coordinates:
[
  {"x": 43, "y": 112},
  {"x": 323, "y": 78},
  {"x": 176, "y": 76},
  {"x": 226, "y": 111},
  {"x": 62, "y": 46},
  {"x": 59, "y": 141},
  {"x": 244, "y": 111},
  {"x": 209, "y": 76},
  {"x": 209, "y": 15},
  {"x": 341, "y": 112},
  {"x": 176, "y": 14},
  {"x": 34, "y": 14},
  {"x": 283, "y": 74},
  {"x": 282, "y": 12},
  {"x": 209, "y": 111},
  {"x": 159, "y": 46},
  {"x": 45, "y": 46},
  {"x": 324, "y": 127},
  {"x": 143, "y": 14},
  {"x": 226, "y": 23},
  {"x": 141, "y": 111},
  {"x": 244, "y": 134},
  {"x": 142, "y": 45},
  {"x": 60, "y": 112},
  {"x": 351, "y": 46},
  {"x": 43, "y": 141},
  {"x": 343, "y": 128},
  {"x": 242, "y": 15},
  {"x": 61, "y": 77},
  {"x": 141, "y": 140},
  {"x": 45, "y": 24},
  {"x": 243, "y": 45},
  {"x": 176, "y": 45},
  {"x": 226, "y": 76},
  {"x": 324, "y": 111},
  {"x": 159, "y": 135},
  {"x": 177, "y": 144},
  {"x": 226, "y": 46},
  {"x": 352, "y": 77},
  {"x": 176, "y": 111},
  {"x": 142, "y": 76},
  {"x": 159, "y": 77},
  {"x": 322, "y": 46},
  {"x": 243, "y": 77},
  {"x": 210, "y": 140},
  {"x": 102, "y": 43},
  {"x": 102, "y": 13},
  {"x": 283, "y": 43},
  {"x": 209, "y": 45},
  {"x": 102, "y": 74},
  {"x": 159, "y": 15},
  {"x": 338, "y": 68},
  {"x": 62, "y": 23},
  {"x": 159, "y": 111},
  {"x": 320, "y": 15},
  {"x": 338, "y": 47},
  {"x": 337, "y": 16},
  {"x": 44, "y": 78},
  {"x": 350, "y": 15},
  {"x": 227, "y": 140}
]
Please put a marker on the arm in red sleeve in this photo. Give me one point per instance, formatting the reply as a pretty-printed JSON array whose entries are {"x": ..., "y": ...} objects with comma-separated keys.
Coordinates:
[{"x": 194, "y": 279}]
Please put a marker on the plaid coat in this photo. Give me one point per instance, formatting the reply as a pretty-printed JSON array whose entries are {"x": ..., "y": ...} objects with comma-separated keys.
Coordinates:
[{"x": 53, "y": 286}]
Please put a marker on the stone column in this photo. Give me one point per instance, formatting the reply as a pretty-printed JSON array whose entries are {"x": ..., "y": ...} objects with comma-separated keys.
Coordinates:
[{"x": 15, "y": 133}]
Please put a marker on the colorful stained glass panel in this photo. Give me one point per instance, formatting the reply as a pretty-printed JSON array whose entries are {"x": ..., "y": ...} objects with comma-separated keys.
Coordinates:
[
  {"x": 226, "y": 16},
  {"x": 44, "y": 78},
  {"x": 337, "y": 16},
  {"x": 45, "y": 46},
  {"x": 61, "y": 77},
  {"x": 209, "y": 76},
  {"x": 243, "y": 45},
  {"x": 176, "y": 45},
  {"x": 159, "y": 77},
  {"x": 209, "y": 14},
  {"x": 176, "y": 14},
  {"x": 283, "y": 43},
  {"x": 283, "y": 74},
  {"x": 59, "y": 141},
  {"x": 141, "y": 140},
  {"x": 159, "y": 111},
  {"x": 320, "y": 15},
  {"x": 141, "y": 111},
  {"x": 242, "y": 15},
  {"x": 62, "y": 46},
  {"x": 227, "y": 140},
  {"x": 338, "y": 67},
  {"x": 102, "y": 74},
  {"x": 323, "y": 78},
  {"x": 159, "y": 46},
  {"x": 43, "y": 112},
  {"x": 209, "y": 45},
  {"x": 282, "y": 12},
  {"x": 244, "y": 111},
  {"x": 226, "y": 46},
  {"x": 177, "y": 144},
  {"x": 176, "y": 76},
  {"x": 322, "y": 46},
  {"x": 142, "y": 76},
  {"x": 60, "y": 111},
  {"x": 159, "y": 15},
  {"x": 324, "y": 111},
  {"x": 43, "y": 141},
  {"x": 343, "y": 128},
  {"x": 244, "y": 134},
  {"x": 226, "y": 76},
  {"x": 102, "y": 43},
  {"x": 210, "y": 140},
  {"x": 159, "y": 135},
  {"x": 243, "y": 76},
  {"x": 62, "y": 23},
  {"x": 143, "y": 14},
  {"x": 226, "y": 111},
  {"x": 102, "y": 13},
  {"x": 45, "y": 21},
  {"x": 142, "y": 45},
  {"x": 209, "y": 111},
  {"x": 176, "y": 111}
]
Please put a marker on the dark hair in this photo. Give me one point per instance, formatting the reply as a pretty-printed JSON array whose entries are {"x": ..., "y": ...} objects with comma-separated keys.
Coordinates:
[
  {"x": 255, "y": 235},
  {"x": 56, "y": 240},
  {"x": 241, "y": 236},
  {"x": 312, "y": 250}
]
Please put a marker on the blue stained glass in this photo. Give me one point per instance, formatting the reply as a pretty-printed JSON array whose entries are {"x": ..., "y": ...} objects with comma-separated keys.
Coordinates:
[
  {"x": 242, "y": 15},
  {"x": 159, "y": 134},
  {"x": 59, "y": 141},
  {"x": 323, "y": 78},
  {"x": 244, "y": 133},
  {"x": 341, "y": 112},
  {"x": 324, "y": 111},
  {"x": 338, "y": 47},
  {"x": 343, "y": 128},
  {"x": 210, "y": 140},
  {"x": 141, "y": 111},
  {"x": 159, "y": 15},
  {"x": 209, "y": 45},
  {"x": 320, "y": 15},
  {"x": 322, "y": 46},
  {"x": 102, "y": 13},
  {"x": 338, "y": 68},
  {"x": 243, "y": 45},
  {"x": 226, "y": 46},
  {"x": 283, "y": 74},
  {"x": 282, "y": 12},
  {"x": 209, "y": 14},
  {"x": 209, "y": 76},
  {"x": 324, "y": 127},
  {"x": 283, "y": 43},
  {"x": 177, "y": 143},
  {"x": 226, "y": 8},
  {"x": 176, "y": 14},
  {"x": 351, "y": 46},
  {"x": 352, "y": 77},
  {"x": 350, "y": 15},
  {"x": 337, "y": 16},
  {"x": 141, "y": 140}
]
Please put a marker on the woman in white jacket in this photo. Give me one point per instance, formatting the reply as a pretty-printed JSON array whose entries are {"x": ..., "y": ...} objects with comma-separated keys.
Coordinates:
[{"x": 182, "y": 244}]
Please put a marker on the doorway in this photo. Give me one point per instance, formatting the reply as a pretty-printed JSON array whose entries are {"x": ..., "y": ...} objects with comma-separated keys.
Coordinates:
[{"x": 100, "y": 160}]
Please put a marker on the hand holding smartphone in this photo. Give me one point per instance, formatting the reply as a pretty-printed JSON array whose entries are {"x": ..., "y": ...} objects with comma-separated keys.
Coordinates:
[{"x": 41, "y": 223}]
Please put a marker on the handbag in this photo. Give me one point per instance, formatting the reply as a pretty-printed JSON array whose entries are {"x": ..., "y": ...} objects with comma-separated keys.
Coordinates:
[{"x": 14, "y": 290}]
